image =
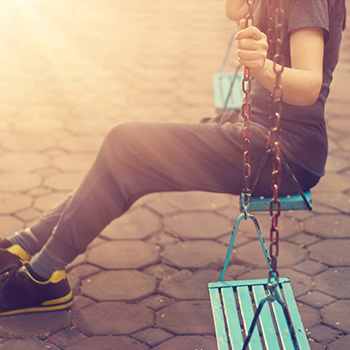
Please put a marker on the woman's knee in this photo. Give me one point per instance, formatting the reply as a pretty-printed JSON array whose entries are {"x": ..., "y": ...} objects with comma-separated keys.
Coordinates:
[{"x": 120, "y": 139}]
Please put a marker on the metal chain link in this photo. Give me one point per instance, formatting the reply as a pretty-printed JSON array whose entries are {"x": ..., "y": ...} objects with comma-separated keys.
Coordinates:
[
  {"x": 276, "y": 12},
  {"x": 246, "y": 113}
]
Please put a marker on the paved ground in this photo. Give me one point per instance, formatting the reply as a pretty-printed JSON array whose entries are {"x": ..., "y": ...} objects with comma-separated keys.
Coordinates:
[{"x": 70, "y": 69}]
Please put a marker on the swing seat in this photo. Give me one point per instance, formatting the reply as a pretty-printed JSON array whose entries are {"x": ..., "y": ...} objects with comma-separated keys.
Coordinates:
[
  {"x": 222, "y": 86},
  {"x": 234, "y": 304},
  {"x": 293, "y": 202}
]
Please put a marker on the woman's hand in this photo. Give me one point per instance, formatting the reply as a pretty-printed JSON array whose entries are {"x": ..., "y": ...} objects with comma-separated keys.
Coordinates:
[
  {"x": 252, "y": 48},
  {"x": 303, "y": 80}
]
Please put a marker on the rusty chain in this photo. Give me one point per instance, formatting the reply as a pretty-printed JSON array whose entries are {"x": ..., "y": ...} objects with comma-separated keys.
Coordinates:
[
  {"x": 276, "y": 17},
  {"x": 246, "y": 113}
]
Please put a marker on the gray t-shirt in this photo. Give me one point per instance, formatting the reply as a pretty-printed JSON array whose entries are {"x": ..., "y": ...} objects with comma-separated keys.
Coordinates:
[{"x": 303, "y": 128}]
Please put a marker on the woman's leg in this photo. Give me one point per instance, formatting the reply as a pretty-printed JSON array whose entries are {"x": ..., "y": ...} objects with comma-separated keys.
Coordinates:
[{"x": 136, "y": 159}]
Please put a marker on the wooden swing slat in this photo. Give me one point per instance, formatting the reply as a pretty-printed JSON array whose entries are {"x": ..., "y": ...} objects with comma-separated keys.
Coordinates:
[
  {"x": 235, "y": 333},
  {"x": 247, "y": 312},
  {"x": 218, "y": 314}
]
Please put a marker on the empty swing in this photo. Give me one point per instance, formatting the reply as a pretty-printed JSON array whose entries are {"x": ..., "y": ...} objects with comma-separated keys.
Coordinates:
[
  {"x": 261, "y": 314},
  {"x": 228, "y": 94}
]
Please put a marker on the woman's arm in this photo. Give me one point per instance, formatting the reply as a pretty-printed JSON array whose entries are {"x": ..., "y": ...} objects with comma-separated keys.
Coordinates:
[{"x": 301, "y": 83}]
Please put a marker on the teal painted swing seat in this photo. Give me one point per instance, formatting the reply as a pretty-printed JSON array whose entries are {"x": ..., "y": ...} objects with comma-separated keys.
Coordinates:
[
  {"x": 238, "y": 324},
  {"x": 255, "y": 314}
]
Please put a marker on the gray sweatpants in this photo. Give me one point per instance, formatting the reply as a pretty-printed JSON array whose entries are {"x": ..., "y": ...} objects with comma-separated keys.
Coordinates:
[{"x": 136, "y": 159}]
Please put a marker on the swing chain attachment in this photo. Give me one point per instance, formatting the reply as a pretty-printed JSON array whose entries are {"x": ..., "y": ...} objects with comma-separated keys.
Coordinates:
[
  {"x": 276, "y": 18},
  {"x": 246, "y": 113}
]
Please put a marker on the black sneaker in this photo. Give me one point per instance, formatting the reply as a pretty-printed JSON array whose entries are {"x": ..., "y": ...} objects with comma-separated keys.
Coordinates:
[
  {"x": 12, "y": 256},
  {"x": 21, "y": 293}
]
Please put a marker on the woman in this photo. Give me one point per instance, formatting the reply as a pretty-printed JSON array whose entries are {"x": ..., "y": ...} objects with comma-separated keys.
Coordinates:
[{"x": 140, "y": 158}]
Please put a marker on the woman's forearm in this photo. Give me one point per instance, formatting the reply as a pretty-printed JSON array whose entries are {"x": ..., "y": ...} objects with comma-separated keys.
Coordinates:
[{"x": 300, "y": 87}]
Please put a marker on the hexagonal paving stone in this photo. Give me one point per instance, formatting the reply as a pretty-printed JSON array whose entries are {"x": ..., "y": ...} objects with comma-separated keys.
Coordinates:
[
  {"x": 108, "y": 343},
  {"x": 48, "y": 201},
  {"x": 314, "y": 345},
  {"x": 160, "y": 271},
  {"x": 161, "y": 207},
  {"x": 316, "y": 299},
  {"x": 334, "y": 182},
  {"x": 345, "y": 144},
  {"x": 334, "y": 252},
  {"x": 152, "y": 336},
  {"x": 9, "y": 225},
  {"x": 81, "y": 143},
  {"x": 335, "y": 282},
  {"x": 28, "y": 344},
  {"x": 28, "y": 215},
  {"x": 188, "y": 285},
  {"x": 329, "y": 226},
  {"x": 192, "y": 254},
  {"x": 323, "y": 334},
  {"x": 162, "y": 239},
  {"x": 138, "y": 223},
  {"x": 16, "y": 161},
  {"x": 337, "y": 315},
  {"x": 198, "y": 225},
  {"x": 73, "y": 162},
  {"x": 304, "y": 239},
  {"x": 37, "y": 120},
  {"x": 118, "y": 285},
  {"x": 66, "y": 337},
  {"x": 84, "y": 270},
  {"x": 197, "y": 200},
  {"x": 34, "y": 324},
  {"x": 189, "y": 342},
  {"x": 252, "y": 253},
  {"x": 156, "y": 301},
  {"x": 123, "y": 254},
  {"x": 10, "y": 203},
  {"x": 309, "y": 316},
  {"x": 87, "y": 125},
  {"x": 64, "y": 182},
  {"x": 29, "y": 142},
  {"x": 310, "y": 267},
  {"x": 18, "y": 182},
  {"x": 187, "y": 317},
  {"x": 114, "y": 318},
  {"x": 340, "y": 344},
  {"x": 334, "y": 200}
]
